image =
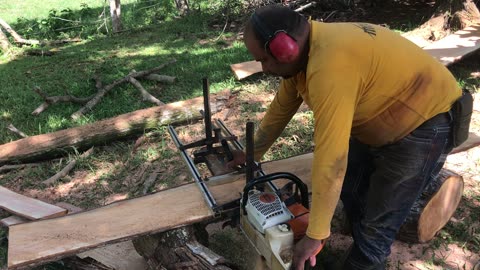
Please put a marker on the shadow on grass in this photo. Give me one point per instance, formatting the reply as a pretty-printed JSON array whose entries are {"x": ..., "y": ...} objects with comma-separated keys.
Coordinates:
[{"x": 200, "y": 52}]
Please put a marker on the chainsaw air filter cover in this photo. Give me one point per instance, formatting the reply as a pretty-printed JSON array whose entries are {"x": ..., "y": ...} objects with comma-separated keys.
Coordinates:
[{"x": 265, "y": 209}]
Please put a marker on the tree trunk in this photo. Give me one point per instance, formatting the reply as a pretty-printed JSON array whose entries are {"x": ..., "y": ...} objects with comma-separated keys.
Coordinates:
[
  {"x": 178, "y": 249},
  {"x": 449, "y": 15},
  {"x": 4, "y": 43},
  {"x": 433, "y": 209},
  {"x": 182, "y": 6},
  {"x": 83, "y": 137},
  {"x": 115, "y": 14}
]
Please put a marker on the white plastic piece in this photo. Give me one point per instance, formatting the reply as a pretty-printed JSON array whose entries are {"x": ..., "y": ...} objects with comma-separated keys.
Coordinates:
[{"x": 265, "y": 209}]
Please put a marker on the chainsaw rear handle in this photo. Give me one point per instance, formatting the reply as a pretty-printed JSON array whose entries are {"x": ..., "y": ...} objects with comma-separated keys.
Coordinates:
[{"x": 276, "y": 176}]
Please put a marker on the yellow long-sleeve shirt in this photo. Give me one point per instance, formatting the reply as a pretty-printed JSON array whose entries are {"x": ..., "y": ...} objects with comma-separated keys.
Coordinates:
[{"x": 363, "y": 81}]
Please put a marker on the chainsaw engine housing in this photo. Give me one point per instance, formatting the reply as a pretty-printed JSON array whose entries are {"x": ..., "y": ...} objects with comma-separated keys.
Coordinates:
[{"x": 265, "y": 209}]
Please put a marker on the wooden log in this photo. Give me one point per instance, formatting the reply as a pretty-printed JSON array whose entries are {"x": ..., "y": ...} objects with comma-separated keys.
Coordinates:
[
  {"x": 433, "y": 209},
  {"x": 176, "y": 248},
  {"x": 4, "y": 43},
  {"x": 161, "y": 78},
  {"x": 64, "y": 141}
]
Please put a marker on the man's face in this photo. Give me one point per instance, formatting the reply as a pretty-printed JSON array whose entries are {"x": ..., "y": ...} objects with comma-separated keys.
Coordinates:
[{"x": 270, "y": 65}]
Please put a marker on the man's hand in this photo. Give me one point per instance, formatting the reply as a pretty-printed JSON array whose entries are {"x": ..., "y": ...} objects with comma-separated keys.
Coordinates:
[
  {"x": 306, "y": 249},
  {"x": 239, "y": 158}
]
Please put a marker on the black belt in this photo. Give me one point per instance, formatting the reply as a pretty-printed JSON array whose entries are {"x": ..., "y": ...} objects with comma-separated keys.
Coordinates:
[{"x": 441, "y": 118}]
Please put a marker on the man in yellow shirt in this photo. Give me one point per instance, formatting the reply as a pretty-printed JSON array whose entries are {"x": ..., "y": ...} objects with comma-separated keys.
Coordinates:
[{"x": 381, "y": 115}]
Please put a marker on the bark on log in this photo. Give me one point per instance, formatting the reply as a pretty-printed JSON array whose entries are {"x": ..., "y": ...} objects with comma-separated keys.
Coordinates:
[
  {"x": 433, "y": 209},
  {"x": 4, "y": 43},
  {"x": 447, "y": 15},
  {"x": 178, "y": 249},
  {"x": 83, "y": 137},
  {"x": 161, "y": 78}
]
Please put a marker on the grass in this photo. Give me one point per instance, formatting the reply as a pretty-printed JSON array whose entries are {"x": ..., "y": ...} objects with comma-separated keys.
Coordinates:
[{"x": 71, "y": 71}]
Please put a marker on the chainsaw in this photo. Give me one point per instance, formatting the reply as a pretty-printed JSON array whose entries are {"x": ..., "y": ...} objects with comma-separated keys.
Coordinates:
[{"x": 271, "y": 218}]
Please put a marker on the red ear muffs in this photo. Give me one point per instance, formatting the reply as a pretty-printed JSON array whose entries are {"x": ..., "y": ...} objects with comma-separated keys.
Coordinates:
[
  {"x": 279, "y": 44},
  {"x": 283, "y": 47}
]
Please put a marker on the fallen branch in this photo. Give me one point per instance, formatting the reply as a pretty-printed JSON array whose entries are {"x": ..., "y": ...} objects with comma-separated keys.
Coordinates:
[
  {"x": 4, "y": 43},
  {"x": 150, "y": 180},
  {"x": 21, "y": 40},
  {"x": 145, "y": 95},
  {"x": 311, "y": 4},
  {"x": 16, "y": 36},
  {"x": 6, "y": 168},
  {"x": 55, "y": 99},
  {"x": 13, "y": 129},
  {"x": 67, "y": 168},
  {"x": 36, "y": 52},
  {"x": 161, "y": 78},
  {"x": 90, "y": 104}
]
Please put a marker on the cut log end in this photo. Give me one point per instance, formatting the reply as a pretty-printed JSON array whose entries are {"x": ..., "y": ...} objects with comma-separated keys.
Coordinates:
[
  {"x": 433, "y": 209},
  {"x": 440, "y": 208}
]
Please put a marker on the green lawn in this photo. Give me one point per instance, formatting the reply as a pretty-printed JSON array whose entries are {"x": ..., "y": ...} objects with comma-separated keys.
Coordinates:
[
  {"x": 11, "y": 10},
  {"x": 199, "y": 49}
]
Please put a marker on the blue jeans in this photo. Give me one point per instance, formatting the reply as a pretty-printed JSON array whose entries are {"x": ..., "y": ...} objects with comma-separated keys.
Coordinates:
[{"x": 381, "y": 185}]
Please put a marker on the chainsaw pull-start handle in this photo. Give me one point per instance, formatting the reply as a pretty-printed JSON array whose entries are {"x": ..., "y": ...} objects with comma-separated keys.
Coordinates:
[{"x": 276, "y": 176}]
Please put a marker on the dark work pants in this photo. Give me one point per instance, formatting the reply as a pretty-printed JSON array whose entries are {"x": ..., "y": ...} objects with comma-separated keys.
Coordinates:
[{"x": 382, "y": 184}]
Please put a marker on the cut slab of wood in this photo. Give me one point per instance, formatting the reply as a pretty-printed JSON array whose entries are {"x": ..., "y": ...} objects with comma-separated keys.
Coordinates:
[
  {"x": 119, "y": 256},
  {"x": 38, "y": 242},
  {"x": 28, "y": 207},
  {"x": 245, "y": 69},
  {"x": 455, "y": 46},
  {"x": 12, "y": 220},
  {"x": 473, "y": 140}
]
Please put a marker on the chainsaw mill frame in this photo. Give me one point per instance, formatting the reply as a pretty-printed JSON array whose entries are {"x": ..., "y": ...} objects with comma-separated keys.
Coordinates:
[{"x": 217, "y": 133}]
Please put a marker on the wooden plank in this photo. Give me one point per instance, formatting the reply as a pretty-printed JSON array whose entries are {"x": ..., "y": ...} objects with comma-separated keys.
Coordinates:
[
  {"x": 245, "y": 69},
  {"x": 455, "y": 46},
  {"x": 12, "y": 220},
  {"x": 28, "y": 207},
  {"x": 36, "y": 242},
  {"x": 473, "y": 140},
  {"x": 119, "y": 256}
]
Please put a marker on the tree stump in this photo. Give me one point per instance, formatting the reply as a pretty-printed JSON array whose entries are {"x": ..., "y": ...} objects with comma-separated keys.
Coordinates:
[
  {"x": 433, "y": 209},
  {"x": 178, "y": 249}
]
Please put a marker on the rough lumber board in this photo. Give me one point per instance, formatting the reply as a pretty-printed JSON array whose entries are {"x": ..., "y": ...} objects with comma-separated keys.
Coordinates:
[
  {"x": 245, "y": 69},
  {"x": 473, "y": 140},
  {"x": 122, "y": 220},
  {"x": 119, "y": 256},
  {"x": 28, "y": 207},
  {"x": 12, "y": 220},
  {"x": 37, "y": 242},
  {"x": 83, "y": 137},
  {"x": 455, "y": 46}
]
